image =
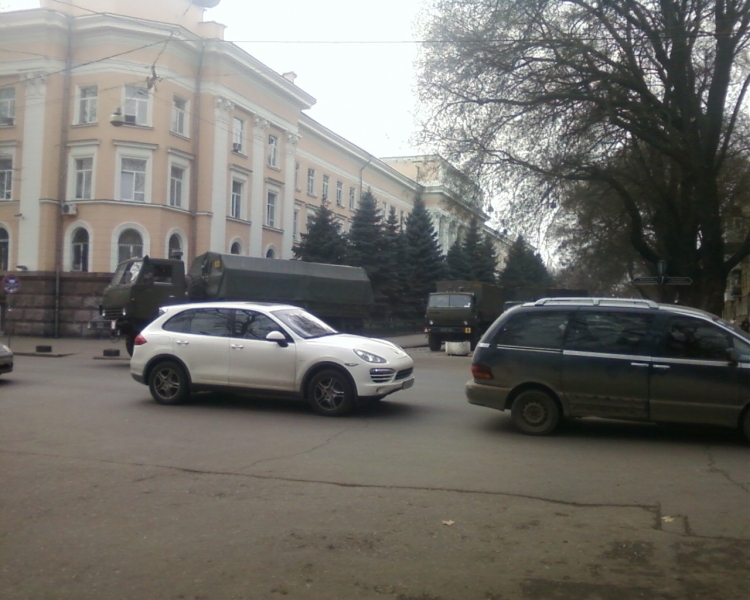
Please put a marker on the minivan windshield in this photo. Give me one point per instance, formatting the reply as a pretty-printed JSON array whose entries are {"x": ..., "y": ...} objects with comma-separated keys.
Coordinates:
[{"x": 303, "y": 323}]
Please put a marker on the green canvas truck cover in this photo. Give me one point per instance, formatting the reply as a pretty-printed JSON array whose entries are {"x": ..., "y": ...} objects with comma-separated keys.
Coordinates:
[{"x": 321, "y": 288}]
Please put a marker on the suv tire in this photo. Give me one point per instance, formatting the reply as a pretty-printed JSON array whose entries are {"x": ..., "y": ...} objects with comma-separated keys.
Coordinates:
[
  {"x": 330, "y": 393},
  {"x": 535, "y": 412},
  {"x": 168, "y": 383}
]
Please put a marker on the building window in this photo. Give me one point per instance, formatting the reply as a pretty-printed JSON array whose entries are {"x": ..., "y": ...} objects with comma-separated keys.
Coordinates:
[
  {"x": 133, "y": 179},
  {"x": 273, "y": 148},
  {"x": 311, "y": 182},
  {"x": 6, "y": 178},
  {"x": 176, "y": 184},
  {"x": 326, "y": 179},
  {"x": 295, "y": 225},
  {"x": 4, "y": 249},
  {"x": 339, "y": 193},
  {"x": 179, "y": 115},
  {"x": 271, "y": 201},
  {"x": 238, "y": 135},
  {"x": 352, "y": 199},
  {"x": 80, "y": 251},
  {"x": 175, "y": 246},
  {"x": 270, "y": 253},
  {"x": 130, "y": 245},
  {"x": 235, "y": 209},
  {"x": 135, "y": 108},
  {"x": 87, "y": 104},
  {"x": 236, "y": 249},
  {"x": 7, "y": 106},
  {"x": 296, "y": 175},
  {"x": 84, "y": 176}
]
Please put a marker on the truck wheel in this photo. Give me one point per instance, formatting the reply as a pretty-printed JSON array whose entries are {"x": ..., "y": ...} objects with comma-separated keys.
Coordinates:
[
  {"x": 474, "y": 341},
  {"x": 330, "y": 394},
  {"x": 746, "y": 424},
  {"x": 433, "y": 342},
  {"x": 168, "y": 383},
  {"x": 535, "y": 412},
  {"x": 129, "y": 344}
]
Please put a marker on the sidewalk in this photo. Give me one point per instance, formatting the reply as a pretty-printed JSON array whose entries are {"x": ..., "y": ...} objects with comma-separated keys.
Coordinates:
[{"x": 27, "y": 346}]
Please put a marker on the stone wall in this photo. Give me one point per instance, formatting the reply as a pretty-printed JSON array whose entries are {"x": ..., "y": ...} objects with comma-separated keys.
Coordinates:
[{"x": 31, "y": 310}]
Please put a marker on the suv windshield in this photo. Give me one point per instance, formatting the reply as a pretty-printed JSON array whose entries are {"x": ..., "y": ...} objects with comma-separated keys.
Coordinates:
[{"x": 303, "y": 323}]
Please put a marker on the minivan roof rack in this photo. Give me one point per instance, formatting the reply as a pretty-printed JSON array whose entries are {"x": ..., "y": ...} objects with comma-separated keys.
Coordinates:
[{"x": 628, "y": 302}]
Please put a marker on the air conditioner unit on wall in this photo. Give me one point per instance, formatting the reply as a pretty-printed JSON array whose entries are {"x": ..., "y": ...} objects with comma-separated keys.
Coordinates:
[{"x": 69, "y": 209}]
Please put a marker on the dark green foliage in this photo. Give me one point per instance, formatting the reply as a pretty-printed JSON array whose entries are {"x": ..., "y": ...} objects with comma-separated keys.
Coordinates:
[
  {"x": 486, "y": 264},
  {"x": 323, "y": 241},
  {"x": 524, "y": 268},
  {"x": 424, "y": 260},
  {"x": 366, "y": 245},
  {"x": 394, "y": 252},
  {"x": 456, "y": 263}
]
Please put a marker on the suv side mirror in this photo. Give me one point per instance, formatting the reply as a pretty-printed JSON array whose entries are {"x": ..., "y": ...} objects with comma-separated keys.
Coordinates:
[
  {"x": 734, "y": 356},
  {"x": 278, "y": 337}
]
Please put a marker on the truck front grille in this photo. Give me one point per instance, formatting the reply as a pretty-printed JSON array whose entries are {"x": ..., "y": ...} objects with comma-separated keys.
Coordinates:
[{"x": 112, "y": 314}]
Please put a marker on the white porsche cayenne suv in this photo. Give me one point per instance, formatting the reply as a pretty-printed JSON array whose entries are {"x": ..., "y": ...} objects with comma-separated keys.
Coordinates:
[{"x": 268, "y": 350}]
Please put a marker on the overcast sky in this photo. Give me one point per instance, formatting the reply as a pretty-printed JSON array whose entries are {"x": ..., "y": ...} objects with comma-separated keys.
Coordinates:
[{"x": 364, "y": 87}]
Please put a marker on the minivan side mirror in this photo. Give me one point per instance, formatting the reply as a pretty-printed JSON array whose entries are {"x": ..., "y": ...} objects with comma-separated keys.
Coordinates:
[
  {"x": 734, "y": 356},
  {"x": 278, "y": 337}
]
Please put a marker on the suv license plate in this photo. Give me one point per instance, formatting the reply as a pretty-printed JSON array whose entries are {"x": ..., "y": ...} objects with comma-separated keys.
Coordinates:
[{"x": 407, "y": 384}]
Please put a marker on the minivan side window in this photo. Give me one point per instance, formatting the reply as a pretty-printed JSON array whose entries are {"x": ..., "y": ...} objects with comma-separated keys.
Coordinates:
[
  {"x": 608, "y": 332},
  {"x": 687, "y": 337},
  {"x": 533, "y": 330}
]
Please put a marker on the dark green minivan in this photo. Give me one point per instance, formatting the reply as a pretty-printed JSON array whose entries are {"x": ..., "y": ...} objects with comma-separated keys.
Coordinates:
[{"x": 612, "y": 358}]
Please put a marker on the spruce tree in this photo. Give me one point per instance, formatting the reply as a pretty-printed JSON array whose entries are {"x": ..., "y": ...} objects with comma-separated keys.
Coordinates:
[
  {"x": 524, "y": 268},
  {"x": 487, "y": 263},
  {"x": 471, "y": 248},
  {"x": 456, "y": 263},
  {"x": 395, "y": 284},
  {"x": 323, "y": 241},
  {"x": 423, "y": 258}
]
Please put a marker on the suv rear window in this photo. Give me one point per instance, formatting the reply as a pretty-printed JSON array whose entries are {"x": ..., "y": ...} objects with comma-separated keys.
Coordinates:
[{"x": 533, "y": 330}]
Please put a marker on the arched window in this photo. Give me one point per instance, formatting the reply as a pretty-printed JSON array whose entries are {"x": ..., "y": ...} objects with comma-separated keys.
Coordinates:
[
  {"x": 4, "y": 249},
  {"x": 236, "y": 248},
  {"x": 270, "y": 253},
  {"x": 175, "y": 245},
  {"x": 80, "y": 251},
  {"x": 130, "y": 245}
]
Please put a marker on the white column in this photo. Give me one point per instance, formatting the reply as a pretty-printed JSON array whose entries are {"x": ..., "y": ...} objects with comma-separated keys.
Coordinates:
[
  {"x": 258, "y": 201},
  {"x": 288, "y": 211},
  {"x": 219, "y": 197},
  {"x": 30, "y": 224}
]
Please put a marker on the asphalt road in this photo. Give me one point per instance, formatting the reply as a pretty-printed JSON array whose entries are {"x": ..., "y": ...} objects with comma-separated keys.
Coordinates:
[{"x": 106, "y": 495}]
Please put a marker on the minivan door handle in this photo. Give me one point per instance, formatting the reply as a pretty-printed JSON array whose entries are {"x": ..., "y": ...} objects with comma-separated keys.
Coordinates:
[
  {"x": 638, "y": 364},
  {"x": 661, "y": 367}
]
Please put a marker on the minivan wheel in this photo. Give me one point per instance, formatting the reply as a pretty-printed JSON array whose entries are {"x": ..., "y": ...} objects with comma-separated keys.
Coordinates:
[
  {"x": 535, "y": 412},
  {"x": 330, "y": 394},
  {"x": 168, "y": 383}
]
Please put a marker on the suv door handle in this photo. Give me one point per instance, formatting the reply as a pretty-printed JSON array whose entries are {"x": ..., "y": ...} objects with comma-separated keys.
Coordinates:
[
  {"x": 181, "y": 342},
  {"x": 638, "y": 364},
  {"x": 237, "y": 346},
  {"x": 662, "y": 367}
]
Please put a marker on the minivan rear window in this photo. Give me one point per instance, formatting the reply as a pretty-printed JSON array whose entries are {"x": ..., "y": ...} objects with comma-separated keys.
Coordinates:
[{"x": 533, "y": 330}]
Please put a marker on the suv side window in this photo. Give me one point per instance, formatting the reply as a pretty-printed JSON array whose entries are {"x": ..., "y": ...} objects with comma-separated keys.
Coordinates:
[
  {"x": 533, "y": 330},
  {"x": 687, "y": 337},
  {"x": 608, "y": 332},
  {"x": 252, "y": 325},
  {"x": 202, "y": 321}
]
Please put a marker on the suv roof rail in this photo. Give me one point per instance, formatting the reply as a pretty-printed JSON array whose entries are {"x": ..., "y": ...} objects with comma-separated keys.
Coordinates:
[{"x": 634, "y": 302}]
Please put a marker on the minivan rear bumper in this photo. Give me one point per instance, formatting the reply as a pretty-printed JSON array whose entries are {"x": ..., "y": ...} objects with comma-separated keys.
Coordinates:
[{"x": 486, "y": 395}]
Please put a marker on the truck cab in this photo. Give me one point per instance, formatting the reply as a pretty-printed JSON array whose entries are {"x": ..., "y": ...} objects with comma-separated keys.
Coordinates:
[
  {"x": 137, "y": 289},
  {"x": 451, "y": 316}
]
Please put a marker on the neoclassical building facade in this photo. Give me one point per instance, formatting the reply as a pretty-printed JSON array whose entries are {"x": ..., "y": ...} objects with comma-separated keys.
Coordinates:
[{"x": 131, "y": 127}]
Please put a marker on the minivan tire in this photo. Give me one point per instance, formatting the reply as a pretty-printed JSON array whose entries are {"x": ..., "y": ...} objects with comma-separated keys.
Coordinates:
[{"x": 535, "y": 412}]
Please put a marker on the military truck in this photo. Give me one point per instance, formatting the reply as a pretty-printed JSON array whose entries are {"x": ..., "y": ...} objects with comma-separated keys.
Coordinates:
[
  {"x": 462, "y": 311},
  {"x": 341, "y": 296}
]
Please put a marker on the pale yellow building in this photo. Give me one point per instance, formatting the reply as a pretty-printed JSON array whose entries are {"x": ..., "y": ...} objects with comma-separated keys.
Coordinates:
[{"x": 131, "y": 127}]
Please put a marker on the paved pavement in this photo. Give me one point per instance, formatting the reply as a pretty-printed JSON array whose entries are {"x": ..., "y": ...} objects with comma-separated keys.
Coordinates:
[{"x": 27, "y": 345}]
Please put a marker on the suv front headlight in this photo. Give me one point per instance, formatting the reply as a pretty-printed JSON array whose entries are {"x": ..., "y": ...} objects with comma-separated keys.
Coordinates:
[{"x": 369, "y": 356}]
